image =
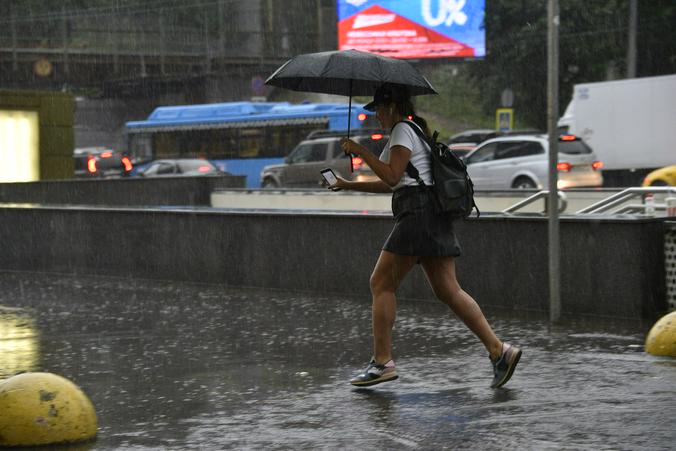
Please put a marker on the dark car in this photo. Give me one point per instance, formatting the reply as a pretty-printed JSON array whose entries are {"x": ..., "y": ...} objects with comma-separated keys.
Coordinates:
[
  {"x": 321, "y": 150},
  {"x": 473, "y": 136},
  {"x": 101, "y": 162},
  {"x": 186, "y": 167},
  {"x": 461, "y": 150}
]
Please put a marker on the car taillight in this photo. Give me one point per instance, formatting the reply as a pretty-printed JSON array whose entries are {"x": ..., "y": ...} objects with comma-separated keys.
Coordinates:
[
  {"x": 106, "y": 154},
  {"x": 376, "y": 136},
  {"x": 567, "y": 138},
  {"x": 127, "y": 164},
  {"x": 563, "y": 167},
  {"x": 91, "y": 165},
  {"x": 597, "y": 165},
  {"x": 361, "y": 116},
  {"x": 204, "y": 168},
  {"x": 356, "y": 162}
]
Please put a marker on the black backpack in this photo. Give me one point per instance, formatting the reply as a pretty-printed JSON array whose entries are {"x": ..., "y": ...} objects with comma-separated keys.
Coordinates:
[{"x": 453, "y": 189}]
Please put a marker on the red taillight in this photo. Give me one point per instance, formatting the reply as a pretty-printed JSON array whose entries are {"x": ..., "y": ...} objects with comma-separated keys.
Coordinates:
[
  {"x": 127, "y": 164},
  {"x": 356, "y": 162},
  {"x": 204, "y": 168},
  {"x": 410, "y": 118},
  {"x": 597, "y": 165},
  {"x": 568, "y": 138},
  {"x": 564, "y": 167},
  {"x": 361, "y": 116},
  {"x": 376, "y": 136},
  {"x": 106, "y": 154},
  {"x": 91, "y": 165}
]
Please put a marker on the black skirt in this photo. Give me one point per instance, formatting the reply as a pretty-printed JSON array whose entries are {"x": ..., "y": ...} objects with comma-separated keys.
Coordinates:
[{"x": 418, "y": 229}]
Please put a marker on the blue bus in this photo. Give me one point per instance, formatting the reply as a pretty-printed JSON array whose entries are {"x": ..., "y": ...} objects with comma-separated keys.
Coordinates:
[{"x": 239, "y": 137}]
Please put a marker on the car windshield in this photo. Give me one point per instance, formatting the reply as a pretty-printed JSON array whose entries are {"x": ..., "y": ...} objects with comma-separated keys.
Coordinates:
[{"x": 576, "y": 147}]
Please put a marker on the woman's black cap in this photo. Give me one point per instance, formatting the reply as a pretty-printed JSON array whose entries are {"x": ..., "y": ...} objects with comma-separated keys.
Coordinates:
[{"x": 386, "y": 94}]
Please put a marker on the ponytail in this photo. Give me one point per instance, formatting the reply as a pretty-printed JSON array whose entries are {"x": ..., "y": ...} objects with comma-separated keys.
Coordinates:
[
  {"x": 422, "y": 123},
  {"x": 406, "y": 109}
]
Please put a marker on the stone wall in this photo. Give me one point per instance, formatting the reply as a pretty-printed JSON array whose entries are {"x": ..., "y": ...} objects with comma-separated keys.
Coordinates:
[{"x": 611, "y": 268}]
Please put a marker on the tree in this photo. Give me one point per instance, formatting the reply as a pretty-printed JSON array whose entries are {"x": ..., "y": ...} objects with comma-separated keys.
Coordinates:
[{"x": 593, "y": 43}]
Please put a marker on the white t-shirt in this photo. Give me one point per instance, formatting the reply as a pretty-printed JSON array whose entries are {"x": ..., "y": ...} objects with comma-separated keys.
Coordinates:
[{"x": 403, "y": 135}]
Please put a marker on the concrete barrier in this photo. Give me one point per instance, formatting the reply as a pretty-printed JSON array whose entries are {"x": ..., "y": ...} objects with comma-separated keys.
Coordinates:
[
  {"x": 609, "y": 267},
  {"x": 120, "y": 192}
]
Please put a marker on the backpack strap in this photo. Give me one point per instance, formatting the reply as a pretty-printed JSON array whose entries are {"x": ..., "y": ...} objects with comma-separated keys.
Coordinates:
[{"x": 411, "y": 170}]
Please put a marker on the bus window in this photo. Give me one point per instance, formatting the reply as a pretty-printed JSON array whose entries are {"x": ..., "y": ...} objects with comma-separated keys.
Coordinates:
[
  {"x": 251, "y": 141},
  {"x": 224, "y": 144},
  {"x": 166, "y": 145},
  {"x": 140, "y": 147}
]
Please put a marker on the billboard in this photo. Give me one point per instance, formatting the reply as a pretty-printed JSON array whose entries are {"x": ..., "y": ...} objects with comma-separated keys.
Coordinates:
[{"x": 413, "y": 28}]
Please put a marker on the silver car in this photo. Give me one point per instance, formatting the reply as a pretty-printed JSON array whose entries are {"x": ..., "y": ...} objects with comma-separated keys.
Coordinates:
[
  {"x": 521, "y": 162},
  {"x": 185, "y": 167},
  {"x": 322, "y": 150}
]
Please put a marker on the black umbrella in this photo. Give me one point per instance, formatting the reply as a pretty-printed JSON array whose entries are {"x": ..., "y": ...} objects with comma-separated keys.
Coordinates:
[{"x": 348, "y": 73}]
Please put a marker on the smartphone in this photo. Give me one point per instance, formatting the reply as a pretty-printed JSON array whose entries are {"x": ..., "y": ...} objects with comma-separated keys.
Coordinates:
[{"x": 329, "y": 176}]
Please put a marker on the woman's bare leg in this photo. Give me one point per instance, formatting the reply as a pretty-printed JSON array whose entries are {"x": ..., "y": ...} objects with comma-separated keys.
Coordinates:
[
  {"x": 387, "y": 275},
  {"x": 440, "y": 273}
]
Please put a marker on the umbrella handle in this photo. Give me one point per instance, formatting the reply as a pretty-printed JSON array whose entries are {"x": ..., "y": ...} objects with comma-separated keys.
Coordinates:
[{"x": 349, "y": 121}]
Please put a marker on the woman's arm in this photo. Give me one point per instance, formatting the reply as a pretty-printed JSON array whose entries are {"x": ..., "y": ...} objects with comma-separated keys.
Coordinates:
[
  {"x": 376, "y": 186},
  {"x": 390, "y": 173}
]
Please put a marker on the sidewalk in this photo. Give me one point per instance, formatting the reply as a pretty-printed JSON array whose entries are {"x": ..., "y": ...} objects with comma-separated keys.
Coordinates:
[{"x": 181, "y": 366}]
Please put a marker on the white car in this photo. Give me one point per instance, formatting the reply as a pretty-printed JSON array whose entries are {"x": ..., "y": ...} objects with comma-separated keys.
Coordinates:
[{"x": 522, "y": 161}]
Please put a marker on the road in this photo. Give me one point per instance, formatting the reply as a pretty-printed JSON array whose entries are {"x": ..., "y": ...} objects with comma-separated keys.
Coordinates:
[{"x": 178, "y": 366}]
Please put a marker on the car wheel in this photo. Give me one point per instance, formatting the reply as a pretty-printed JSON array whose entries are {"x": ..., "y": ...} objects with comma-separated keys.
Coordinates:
[
  {"x": 270, "y": 184},
  {"x": 659, "y": 183},
  {"x": 523, "y": 183}
]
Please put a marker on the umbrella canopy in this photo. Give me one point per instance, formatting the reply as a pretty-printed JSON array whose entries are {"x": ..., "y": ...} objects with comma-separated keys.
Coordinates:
[{"x": 348, "y": 73}]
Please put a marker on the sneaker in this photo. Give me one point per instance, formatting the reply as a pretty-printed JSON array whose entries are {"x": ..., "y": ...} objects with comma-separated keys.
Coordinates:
[
  {"x": 375, "y": 374},
  {"x": 503, "y": 366}
]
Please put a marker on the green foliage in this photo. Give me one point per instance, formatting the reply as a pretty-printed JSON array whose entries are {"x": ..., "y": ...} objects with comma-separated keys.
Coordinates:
[
  {"x": 458, "y": 105},
  {"x": 593, "y": 47}
]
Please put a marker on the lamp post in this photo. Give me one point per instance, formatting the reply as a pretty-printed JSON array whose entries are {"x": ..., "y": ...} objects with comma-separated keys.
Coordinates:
[{"x": 552, "y": 116}]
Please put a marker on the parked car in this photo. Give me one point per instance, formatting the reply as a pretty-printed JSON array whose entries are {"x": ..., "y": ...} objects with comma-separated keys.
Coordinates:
[
  {"x": 665, "y": 176},
  {"x": 476, "y": 137},
  {"x": 462, "y": 150},
  {"x": 100, "y": 162},
  {"x": 472, "y": 136},
  {"x": 184, "y": 167},
  {"x": 322, "y": 150},
  {"x": 522, "y": 161}
]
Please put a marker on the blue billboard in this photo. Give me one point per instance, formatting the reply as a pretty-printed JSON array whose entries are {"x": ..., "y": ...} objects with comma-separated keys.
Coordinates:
[{"x": 413, "y": 28}]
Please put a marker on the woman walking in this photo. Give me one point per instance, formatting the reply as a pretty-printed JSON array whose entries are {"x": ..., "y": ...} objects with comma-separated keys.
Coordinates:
[{"x": 420, "y": 235}]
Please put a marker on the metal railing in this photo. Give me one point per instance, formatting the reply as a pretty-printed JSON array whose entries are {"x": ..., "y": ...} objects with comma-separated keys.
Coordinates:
[
  {"x": 616, "y": 204},
  {"x": 628, "y": 194},
  {"x": 563, "y": 202}
]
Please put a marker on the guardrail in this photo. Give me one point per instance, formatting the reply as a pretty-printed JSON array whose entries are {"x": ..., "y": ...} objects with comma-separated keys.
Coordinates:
[
  {"x": 648, "y": 205},
  {"x": 563, "y": 202}
]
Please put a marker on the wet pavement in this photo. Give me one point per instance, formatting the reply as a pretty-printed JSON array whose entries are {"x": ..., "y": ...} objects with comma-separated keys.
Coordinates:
[{"x": 189, "y": 366}]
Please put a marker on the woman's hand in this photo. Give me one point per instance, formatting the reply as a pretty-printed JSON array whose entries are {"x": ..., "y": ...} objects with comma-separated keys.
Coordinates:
[
  {"x": 340, "y": 184},
  {"x": 351, "y": 147}
]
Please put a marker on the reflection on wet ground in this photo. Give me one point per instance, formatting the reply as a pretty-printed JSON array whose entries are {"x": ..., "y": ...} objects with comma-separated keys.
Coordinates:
[{"x": 187, "y": 366}]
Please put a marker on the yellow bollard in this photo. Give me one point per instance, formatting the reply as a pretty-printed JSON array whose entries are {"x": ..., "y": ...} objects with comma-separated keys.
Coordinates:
[
  {"x": 661, "y": 339},
  {"x": 44, "y": 409}
]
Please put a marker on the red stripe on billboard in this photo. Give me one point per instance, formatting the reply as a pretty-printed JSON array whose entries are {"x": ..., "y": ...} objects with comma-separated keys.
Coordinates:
[{"x": 378, "y": 30}]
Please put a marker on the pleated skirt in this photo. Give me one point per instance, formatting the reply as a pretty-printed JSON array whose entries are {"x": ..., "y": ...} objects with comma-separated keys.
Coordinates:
[{"x": 418, "y": 229}]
